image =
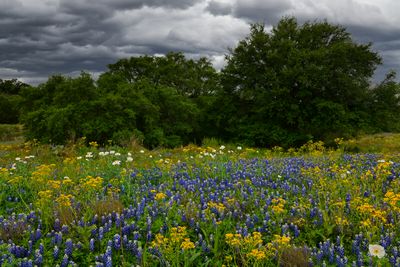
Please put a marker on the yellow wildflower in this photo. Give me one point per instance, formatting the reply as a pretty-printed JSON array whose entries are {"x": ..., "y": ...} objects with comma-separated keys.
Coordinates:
[
  {"x": 91, "y": 182},
  {"x": 160, "y": 196},
  {"x": 67, "y": 181},
  {"x": 257, "y": 254},
  {"x": 64, "y": 200},
  {"x": 15, "y": 180},
  {"x": 46, "y": 194},
  {"x": 187, "y": 244},
  {"x": 341, "y": 221},
  {"x": 281, "y": 241},
  {"x": 218, "y": 206},
  {"x": 159, "y": 241},
  {"x": 253, "y": 240},
  {"x": 233, "y": 239},
  {"x": 228, "y": 258},
  {"x": 54, "y": 184},
  {"x": 93, "y": 144},
  {"x": 366, "y": 223}
]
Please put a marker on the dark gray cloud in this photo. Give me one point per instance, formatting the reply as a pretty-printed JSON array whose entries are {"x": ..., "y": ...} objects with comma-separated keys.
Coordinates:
[
  {"x": 268, "y": 12},
  {"x": 41, "y": 38},
  {"x": 219, "y": 8}
]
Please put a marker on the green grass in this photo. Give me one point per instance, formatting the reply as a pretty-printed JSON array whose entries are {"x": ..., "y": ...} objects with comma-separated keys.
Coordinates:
[
  {"x": 376, "y": 143},
  {"x": 11, "y": 133}
]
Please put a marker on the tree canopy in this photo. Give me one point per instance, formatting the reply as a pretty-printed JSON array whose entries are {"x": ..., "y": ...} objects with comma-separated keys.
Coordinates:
[
  {"x": 296, "y": 83},
  {"x": 10, "y": 100}
]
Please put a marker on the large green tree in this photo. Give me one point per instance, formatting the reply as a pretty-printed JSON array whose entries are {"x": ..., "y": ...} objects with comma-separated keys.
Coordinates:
[
  {"x": 190, "y": 77},
  {"x": 295, "y": 83},
  {"x": 10, "y": 100},
  {"x": 384, "y": 105}
]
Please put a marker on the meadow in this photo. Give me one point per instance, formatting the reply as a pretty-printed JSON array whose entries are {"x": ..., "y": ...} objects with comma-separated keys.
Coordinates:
[{"x": 80, "y": 205}]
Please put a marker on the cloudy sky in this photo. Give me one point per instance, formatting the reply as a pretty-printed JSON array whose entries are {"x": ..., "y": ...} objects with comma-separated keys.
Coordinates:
[{"x": 39, "y": 38}]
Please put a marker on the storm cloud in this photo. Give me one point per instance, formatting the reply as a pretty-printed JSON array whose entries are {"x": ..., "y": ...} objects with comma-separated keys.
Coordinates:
[{"x": 42, "y": 38}]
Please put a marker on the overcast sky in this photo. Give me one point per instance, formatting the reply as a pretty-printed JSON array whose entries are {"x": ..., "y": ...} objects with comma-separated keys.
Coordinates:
[{"x": 39, "y": 38}]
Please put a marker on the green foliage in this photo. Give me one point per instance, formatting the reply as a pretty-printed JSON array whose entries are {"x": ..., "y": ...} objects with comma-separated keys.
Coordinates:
[
  {"x": 385, "y": 105},
  {"x": 192, "y": 78},
  {"x": 281, "y": 88},
  {"x": 295, "y": 83},
  {"x": 10, "y": 132},
  {"x": 10, "y": 100},
  {"x": 376, "y": 143}
]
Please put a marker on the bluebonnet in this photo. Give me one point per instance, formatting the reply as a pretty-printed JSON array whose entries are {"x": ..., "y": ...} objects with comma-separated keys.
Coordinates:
[
  {"x": 38, "y": 258},
  {"x": 68, "y": 247},
  {"x": 56, "y": 252},
  {"x": 91, "y": 244},
  {"x": 117, "y": 241},
  {"x": 57, "y": 225},
  {"x": 65, "y": 261}
]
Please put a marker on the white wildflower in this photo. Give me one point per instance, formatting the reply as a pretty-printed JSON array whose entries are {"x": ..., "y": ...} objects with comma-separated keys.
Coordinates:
[{"x": 377, "y": 251}]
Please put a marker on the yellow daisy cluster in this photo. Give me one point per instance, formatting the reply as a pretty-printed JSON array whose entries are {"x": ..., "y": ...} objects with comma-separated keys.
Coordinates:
[
  {"x": 15, "y": 180},
  {"x": 281, "y": 241},
  {"x": 373, "y": 212},
  {"x": 278, "y": 205},
  {"x": 159, "y": 241},
  {"x": 383, "y": 168},
  {"x": 91, "y": 182},
  {"x": 160, "y": 196},
  {"x": 64, "y": 200},
  {"x": 176, "y": 241},
  {"x": 93, "y": 144},
  {"x": 393, "y": 200},
  {"x": 42, "y": 172},
  {"x": 341, "y": 221},
  {"x": 251, "y": 246},
  {"x": 230, "y": 201},
  {"x": 254, "y": 240},
  {"x": 367, "y": 175},
  {"x": 233, "y": 240},
  {"x": 54, "y": 184},
  {"x": 187, "y": 244},
  {"x": 311, "y": 172},
  {"x": 67, "y": 181},
  {"x": 69, "y": 160},
  {"x": 45, "y": 195},
  {"x": 178, "y": 234},
  {"x": 257, "y": 254},
  {"x": 219, "y": 206}
]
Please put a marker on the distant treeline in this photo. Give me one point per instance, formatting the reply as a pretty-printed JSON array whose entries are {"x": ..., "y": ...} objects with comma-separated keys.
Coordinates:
[{"x": 284, "y": 87}]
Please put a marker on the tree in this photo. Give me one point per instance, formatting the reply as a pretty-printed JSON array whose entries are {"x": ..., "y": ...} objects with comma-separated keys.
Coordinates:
[
  {"x": 192, "y": 84},
  {"x": 190, "y": 77},
  {"x": 384, "y": 105},
  {"x": 10, "y": 100},
  {"x": 295, "y": 83}
]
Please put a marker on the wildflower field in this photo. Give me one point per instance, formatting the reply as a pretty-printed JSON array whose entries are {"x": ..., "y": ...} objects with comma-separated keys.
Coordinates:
[{"x": 197, "y": 206}]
